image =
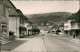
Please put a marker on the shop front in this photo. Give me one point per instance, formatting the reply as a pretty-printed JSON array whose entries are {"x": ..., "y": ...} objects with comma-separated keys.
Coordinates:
[
  {"x": 4, "y": 33},
  {"x": 22, "y": 32},
  {"x": 76, "y": 32}
]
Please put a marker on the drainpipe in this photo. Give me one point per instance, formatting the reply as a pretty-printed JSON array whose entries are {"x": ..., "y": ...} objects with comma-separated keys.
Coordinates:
[{"x": 16, "y": 25}]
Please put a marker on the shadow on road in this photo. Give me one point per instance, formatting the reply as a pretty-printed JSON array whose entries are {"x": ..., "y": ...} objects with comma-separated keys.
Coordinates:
[{"x": 14, "y": 44}]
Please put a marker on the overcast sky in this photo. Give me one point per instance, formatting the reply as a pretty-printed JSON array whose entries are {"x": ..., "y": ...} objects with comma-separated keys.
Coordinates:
[{"x": 34, "y": 7}]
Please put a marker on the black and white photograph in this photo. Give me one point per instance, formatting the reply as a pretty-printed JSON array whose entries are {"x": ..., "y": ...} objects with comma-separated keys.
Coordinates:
[{"x": 39, "y": 25}]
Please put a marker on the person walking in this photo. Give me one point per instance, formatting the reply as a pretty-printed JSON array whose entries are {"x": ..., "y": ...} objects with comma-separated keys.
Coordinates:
[{"x": 74, "y": 34}]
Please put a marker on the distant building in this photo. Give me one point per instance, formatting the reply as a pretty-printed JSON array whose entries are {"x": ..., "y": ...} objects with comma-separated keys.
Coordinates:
[
  {"x": 28, "y": 26},
  {"x": 47, "y": 24},
  {"x": 42, "y": 24},
  {"x": 73, "y": 24},
  {"x": 67, "y": 26}
]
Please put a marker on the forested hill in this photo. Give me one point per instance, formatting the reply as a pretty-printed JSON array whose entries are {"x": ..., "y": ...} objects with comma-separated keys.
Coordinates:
[{"x": 52, "y": 18}]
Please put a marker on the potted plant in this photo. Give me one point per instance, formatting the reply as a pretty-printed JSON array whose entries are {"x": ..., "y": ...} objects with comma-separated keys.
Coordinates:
[{"x": 11, "y": 35}]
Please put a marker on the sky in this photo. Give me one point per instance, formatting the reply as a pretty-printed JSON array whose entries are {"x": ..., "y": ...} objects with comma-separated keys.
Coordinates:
[{"x": 36, "y": 7}]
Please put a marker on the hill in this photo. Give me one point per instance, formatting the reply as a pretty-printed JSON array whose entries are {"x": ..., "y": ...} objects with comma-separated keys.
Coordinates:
[{"x": 51, "y": 18}]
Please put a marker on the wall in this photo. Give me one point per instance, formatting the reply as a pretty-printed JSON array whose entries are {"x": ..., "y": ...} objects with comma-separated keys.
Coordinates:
[
  {"x": 14, "y": 25},
  {"x": 67, "y": 25},
  {"x": 74, "y": 26},
  {"x": 22, "y": 24},
  {"x": 4, "y": 16}
]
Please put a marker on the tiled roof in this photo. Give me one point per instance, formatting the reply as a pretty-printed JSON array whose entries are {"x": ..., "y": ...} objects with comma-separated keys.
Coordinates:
[
  {"x": 4, "y": 2},
  {"x": 75, "y": 16}
]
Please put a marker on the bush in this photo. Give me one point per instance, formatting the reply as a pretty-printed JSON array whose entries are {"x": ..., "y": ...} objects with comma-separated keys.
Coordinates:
[{"x": 11, "y": 35}]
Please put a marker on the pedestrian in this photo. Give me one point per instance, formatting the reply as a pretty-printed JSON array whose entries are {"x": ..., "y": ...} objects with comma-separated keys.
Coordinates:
[
  {"x": 66, "y": 32},
  {"x": 43, "y": 33},
  {"x": 74, "y": 34}
]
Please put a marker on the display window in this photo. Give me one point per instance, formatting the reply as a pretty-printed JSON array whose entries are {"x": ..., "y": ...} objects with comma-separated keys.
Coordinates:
[{"x": 4, "y": 30}]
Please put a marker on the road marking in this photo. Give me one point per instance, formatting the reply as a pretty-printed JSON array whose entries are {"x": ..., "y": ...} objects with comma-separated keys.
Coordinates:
[{"x": 43, "y": 44}]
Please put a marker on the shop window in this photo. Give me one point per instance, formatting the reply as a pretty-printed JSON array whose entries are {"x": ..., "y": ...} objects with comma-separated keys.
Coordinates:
[
  {"x": 4, "y": 29},
  {"x": 3, "y": 26}
]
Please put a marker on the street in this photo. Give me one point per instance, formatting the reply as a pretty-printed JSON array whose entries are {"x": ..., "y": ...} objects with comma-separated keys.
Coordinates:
[
  {"x": 46, "y": 43},
  {"x": 59, "y": 44}
]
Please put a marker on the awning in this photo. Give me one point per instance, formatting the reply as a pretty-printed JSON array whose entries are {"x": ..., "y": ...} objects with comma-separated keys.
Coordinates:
[
  {"x": 22, "y": 28},
  {"x": 73, "y": 21},
  {"x": 75, "y": 29}
]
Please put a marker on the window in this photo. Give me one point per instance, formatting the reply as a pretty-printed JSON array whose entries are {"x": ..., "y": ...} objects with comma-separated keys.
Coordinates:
[
  {"x": 79, "y": 25},
  {"x": 72, "y": 25},
  {"x": 2, "y": 10},
  {"x": 21, "y": 20}
]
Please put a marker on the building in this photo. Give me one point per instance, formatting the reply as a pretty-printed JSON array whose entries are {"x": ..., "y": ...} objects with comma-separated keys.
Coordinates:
[
  {"x": 28, "y": 26},
  {"x": 17, "y": 21},
  {"x": 4, "y": 21},
  {"x": 13, "y": 19},
  {"x": 73, "y": 24},
  {"x": 17, "y": 24},
  {"x": 67, "y": 27}
]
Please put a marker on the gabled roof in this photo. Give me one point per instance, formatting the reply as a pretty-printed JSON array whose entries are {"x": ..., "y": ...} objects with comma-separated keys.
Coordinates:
[
  {"x": 4, "y": 2},
  {"x": 20, "y": 13},
  {"x": 78, "y": 16},
  {"x": 12, "y": 4},
  {"x": 75, "y": 16},
  {"x": 12, "y": 8},
  {"x": 72, "y": 16}
]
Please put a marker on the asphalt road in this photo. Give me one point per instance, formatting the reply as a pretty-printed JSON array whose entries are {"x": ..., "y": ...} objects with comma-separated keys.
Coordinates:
[
  {"x": 53, "y": 43},
  {"x": 43, "y": 43}
]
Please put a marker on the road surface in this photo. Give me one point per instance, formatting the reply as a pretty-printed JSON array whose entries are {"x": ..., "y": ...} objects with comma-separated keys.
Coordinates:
[
  {"x": 46, "y": 43},
  {"x": 54, "y": 43}
]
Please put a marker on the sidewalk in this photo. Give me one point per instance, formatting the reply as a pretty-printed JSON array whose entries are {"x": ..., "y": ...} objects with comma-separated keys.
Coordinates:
[
  {"x": 33, "y": 45},
  {"x": 76, "y": 40},
  {"x": 27, "y": 44},
  {"x": 12, "y": 45},
  {"x": 70, "y": 38}
]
